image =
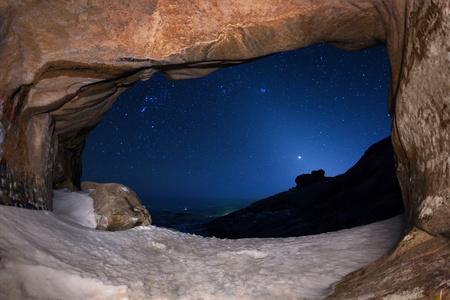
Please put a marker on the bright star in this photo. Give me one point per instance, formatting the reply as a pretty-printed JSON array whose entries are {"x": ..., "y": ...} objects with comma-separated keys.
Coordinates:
[{"x": 299, "y": 157}]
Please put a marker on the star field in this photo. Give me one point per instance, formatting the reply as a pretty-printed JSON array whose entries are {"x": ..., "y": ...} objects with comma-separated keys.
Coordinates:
[{"x": 245, "y": 132}]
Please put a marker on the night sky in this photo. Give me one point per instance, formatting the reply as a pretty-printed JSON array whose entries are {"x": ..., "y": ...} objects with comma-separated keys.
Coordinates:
[{"x": 245, "y": 132}]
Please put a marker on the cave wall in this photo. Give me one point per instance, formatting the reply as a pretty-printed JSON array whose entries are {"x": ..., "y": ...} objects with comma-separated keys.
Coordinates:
[
  {"x": 64, "y": 63},
  {"x": 421, "y": 122}
]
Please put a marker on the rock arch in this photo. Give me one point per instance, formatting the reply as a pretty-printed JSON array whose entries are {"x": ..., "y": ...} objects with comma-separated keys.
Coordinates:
[{"x": 63, "y": 64}]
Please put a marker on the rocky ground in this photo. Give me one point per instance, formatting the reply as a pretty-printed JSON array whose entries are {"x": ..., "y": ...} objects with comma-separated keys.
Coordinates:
[{"x": 366, "y": 193}]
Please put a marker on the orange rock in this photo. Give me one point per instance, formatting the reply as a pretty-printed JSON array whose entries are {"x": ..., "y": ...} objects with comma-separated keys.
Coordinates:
[{"x": 116, "y": 206}]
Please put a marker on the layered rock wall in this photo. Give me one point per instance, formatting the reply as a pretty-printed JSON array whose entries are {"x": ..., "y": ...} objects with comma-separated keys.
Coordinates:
[{"x": 421, "y": 120}]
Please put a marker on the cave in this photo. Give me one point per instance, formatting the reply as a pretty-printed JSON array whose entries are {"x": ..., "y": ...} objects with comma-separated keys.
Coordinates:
[{"x": 64, "y": 64}]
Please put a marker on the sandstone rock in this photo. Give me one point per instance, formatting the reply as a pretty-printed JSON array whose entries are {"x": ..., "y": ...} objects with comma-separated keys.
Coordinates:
[
  {"x": 66, "y": 185},
  {"x": 417, "y": 269},
  {"x": 116, "y": 206},
  {"x": 63, "y": 64},
  {"x": 421, "y": 120}
]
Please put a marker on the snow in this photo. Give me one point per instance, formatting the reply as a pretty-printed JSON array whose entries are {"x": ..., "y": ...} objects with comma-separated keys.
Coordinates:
[
  {"x": 75, "y": 206},
  {"x": 63, "y": 284},
  {"x": 46, "y": 255},
  {"x": 124, "y": 188}
]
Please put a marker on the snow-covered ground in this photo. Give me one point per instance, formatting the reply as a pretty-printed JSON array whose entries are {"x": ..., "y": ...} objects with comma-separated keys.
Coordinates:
[
  {"x": 45, "y": 255},
  {"x": 78, "y": 207}
]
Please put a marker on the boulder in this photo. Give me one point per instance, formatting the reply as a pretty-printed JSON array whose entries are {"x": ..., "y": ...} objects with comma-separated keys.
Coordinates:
[
  {"x": 116, "y": 206},
  {"x": 417, "y": 269},
  {"x": 306, "y": 179}
]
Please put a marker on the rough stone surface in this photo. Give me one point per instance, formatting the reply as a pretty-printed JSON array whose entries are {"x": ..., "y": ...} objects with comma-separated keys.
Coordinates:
[
  {"x": 116, "y": 206},
  {"x": 417, "y": 269},
  {"x": 63, "y": 64},
  {"x": 421, "y": 121}
]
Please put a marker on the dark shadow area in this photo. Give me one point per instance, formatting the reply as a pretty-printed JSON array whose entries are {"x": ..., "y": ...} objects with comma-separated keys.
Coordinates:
[{"x": 366, "y": 193}]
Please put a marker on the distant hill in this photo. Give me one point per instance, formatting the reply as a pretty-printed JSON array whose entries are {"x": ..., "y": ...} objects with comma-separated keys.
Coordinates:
[{"x": 366, "y": 193}]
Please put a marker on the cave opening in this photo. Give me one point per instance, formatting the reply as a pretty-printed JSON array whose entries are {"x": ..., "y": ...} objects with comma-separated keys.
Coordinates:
[
  {"x": 64, "y": 64},
  {"x": 242, "y": 133}
]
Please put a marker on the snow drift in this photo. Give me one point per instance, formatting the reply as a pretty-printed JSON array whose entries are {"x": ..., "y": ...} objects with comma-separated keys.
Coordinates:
[
  {"x": 48, "y": 256},
  {"x": 75, "y": 206}
]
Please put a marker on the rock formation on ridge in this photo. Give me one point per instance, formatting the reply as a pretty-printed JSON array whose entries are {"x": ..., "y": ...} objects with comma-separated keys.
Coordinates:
[
  {"x": 307, "y": 179},
  {"x": 63, "y": 64}
]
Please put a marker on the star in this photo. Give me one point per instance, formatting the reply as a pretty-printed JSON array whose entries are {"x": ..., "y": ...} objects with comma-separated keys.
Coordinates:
[{"x": 184, "y": 140}]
